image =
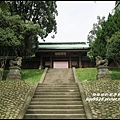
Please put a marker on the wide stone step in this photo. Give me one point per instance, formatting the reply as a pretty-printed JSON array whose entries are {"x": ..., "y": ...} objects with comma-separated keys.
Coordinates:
[
  {"x": 56, "y": 93},
  {"x": 55, "y": 111},
  {"x": 56, "y": 99},
  {"x": 49, "y": 76},
  {"x": 65, "y": 82},
  {"x": 54, "y": 116},
  {"x": 56, "y": 85},
  {"x": 56, "y": 96},
  {"x": 49, "y": 87},
  {"x": 56, "y": 102},
  {"x": 58, "y": 81},
  {"x": 57, "y": 89},
  {"x": 55, "y": 107}
]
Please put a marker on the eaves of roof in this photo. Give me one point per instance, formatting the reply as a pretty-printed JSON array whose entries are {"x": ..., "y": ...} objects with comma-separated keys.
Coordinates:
[{"x": 62, "y": 45}]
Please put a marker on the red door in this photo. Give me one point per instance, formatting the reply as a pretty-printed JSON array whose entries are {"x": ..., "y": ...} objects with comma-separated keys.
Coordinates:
[{"x": 60, "y": 64}]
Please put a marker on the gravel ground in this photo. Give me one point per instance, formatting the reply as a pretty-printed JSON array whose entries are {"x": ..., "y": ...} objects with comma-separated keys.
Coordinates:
[
  {"x": 13, "y": 95},
  {"x": 103, "y": 97}
]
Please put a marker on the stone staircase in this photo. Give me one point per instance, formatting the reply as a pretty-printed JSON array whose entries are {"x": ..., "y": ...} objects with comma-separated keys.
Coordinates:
[
  {"x": 61, "y": 100},
  {"x": 59, "y": 76}
]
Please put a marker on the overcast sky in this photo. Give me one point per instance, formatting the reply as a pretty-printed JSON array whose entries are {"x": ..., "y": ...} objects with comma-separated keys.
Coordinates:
[{"x": 76, "y": 18}]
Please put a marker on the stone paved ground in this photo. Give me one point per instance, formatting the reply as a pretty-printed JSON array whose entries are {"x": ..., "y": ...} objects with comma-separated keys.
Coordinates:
[
  {"x": 13, "y": 95},
  {"x": 106, "y": 102}
]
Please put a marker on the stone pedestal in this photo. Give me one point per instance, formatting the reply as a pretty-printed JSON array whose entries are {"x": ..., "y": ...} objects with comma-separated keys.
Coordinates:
[
  {"x": 103, "y": 73},
  {"x": 14, "y": 73}
]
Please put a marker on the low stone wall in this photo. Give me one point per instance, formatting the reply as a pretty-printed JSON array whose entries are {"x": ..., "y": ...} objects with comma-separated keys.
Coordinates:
[
  {"x": 83, "y": 95},
  {"x": 43, "y": 75}
]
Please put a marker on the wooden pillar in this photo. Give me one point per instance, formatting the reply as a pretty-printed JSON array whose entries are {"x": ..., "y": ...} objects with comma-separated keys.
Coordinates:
[
  {"x": 50, "y": 61},
  {"x": 80, "y": 65},
  {"x": 70, "y": 63}
]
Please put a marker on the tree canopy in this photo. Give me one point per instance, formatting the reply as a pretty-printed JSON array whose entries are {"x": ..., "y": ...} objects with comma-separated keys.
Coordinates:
[
  {"x": 113, "y": 48},
  {"x": 117, "y": 5},
  {"x": 101, "y": 34},
  {"x": 22, "y": 22},
  {"x": 41, "y": 12},
  {"x": 25, "y": 21}
]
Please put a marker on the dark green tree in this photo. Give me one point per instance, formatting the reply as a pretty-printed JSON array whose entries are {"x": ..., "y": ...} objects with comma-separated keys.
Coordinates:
[
  {"x": 96, "y": 27},
  {"x": 29, "y": 44},
  {"x": 21, "y": 22},
  {"x": 39, "y": 21},
  {"x": 10, "y": 34},
  {"x": 117, "y": 5},
  {"x": 33, "y": 13},
  {"x": 18, "y": 36},
  {"x": 4, "y": 6},
  {"x": 113, "y": 48},
  {"x": 41, "y": 12},
  {"x": 107, "y": 28},
  {"x": 93, "y": 38}
]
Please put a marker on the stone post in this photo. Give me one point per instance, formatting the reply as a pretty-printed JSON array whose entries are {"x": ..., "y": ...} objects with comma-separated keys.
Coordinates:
[
  {"x": 103, "y": 73},
  {"x": 14, "y": 69},
  {"x": 102, "y": 69},
  {"x": 14, "y": 73}
]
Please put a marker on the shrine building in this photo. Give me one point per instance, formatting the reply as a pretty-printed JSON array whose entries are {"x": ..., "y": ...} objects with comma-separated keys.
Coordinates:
[{"x": 63, "y": 55}]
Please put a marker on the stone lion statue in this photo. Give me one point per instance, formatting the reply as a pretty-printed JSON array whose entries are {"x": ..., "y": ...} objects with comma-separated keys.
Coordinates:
[
  {"x": 100, "y": 61},
  {"x": 16, "y": 62}
]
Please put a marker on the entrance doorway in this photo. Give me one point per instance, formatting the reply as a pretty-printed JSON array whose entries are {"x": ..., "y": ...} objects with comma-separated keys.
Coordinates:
[{"x": 60, "y": 64}]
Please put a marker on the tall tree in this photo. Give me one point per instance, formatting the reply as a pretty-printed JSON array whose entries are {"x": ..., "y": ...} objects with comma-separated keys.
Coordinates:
[
  {"x": 108, "y": 27},
  {"x": 94, "y": 39},
  {"x": 41, "y": 12},
  {"x": 17, "y": 35},
  {"x": 117, "y": 5},
  {"x": 96, "y": 27},
  {"x": 10, "y": 36},
  {"x": 113, "y": 48},
  {"x": 21, "y": 22},
  {"x": 33, "y": 13}
]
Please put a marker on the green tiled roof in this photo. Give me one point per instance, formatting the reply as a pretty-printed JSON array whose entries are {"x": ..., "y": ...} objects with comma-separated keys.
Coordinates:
[{"x": 63, "y": 45}]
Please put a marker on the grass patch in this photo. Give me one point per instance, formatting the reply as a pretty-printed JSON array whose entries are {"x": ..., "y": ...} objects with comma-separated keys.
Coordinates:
[
  {"x": 90, "y": 74},
  {"x": 34, "y": 75},
  {"x": 86, "y": 74},
  {"x": 29, "y": 75},
  {"x": 115, "y": 74}
]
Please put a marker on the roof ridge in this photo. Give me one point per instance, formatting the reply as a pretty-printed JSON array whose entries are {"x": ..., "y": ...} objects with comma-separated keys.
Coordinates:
[{"x": 62, "y": 42}]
